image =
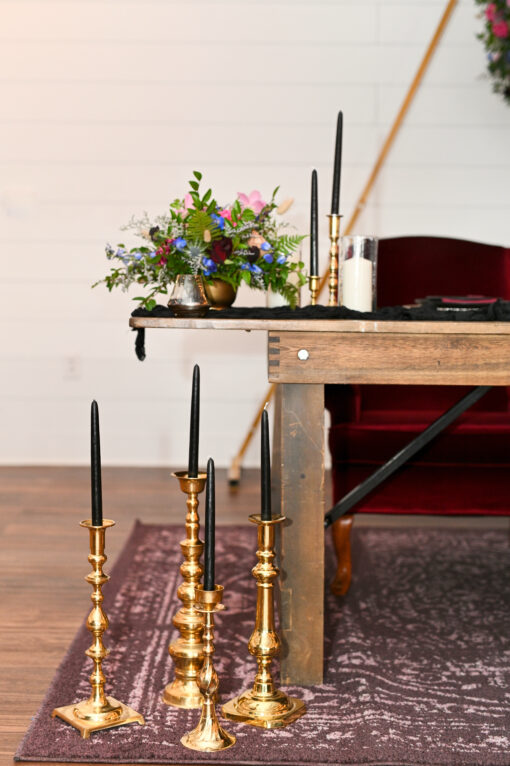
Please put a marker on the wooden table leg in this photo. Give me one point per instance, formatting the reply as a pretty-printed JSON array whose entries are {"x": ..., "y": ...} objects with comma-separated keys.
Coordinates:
[{"x": 298, "y": 462}]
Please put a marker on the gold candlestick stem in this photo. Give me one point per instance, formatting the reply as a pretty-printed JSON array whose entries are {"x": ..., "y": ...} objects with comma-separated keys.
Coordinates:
[
  {"x": 208, "y": 736},
  {"x": 264, "y": 705},
  {"x": 334, "y": 233},
  {"x": 99, "y": 711},
  {"x": 187, "y": 651},
  {"x": 313, "y": 283}
]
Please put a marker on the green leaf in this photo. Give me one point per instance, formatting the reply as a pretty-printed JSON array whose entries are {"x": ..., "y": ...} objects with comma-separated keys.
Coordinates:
[
  {"x": 197, "y": 175},
  {"x": 245, "y": 276},
  {"x": 194, "y": 185},
  {"x": 151, "y": 304}
]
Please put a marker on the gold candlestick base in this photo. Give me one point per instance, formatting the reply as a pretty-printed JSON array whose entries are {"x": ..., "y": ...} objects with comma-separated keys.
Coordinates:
[
  {"x": 187, "y": 651},
  {"x": 84, "y": 718},
  {"x": 264, "y": 705},
  {"x": 334, "y": 233},
  {"x": 208, "y": 736},
  {"x": 313, "y": 284},
  {"x": 99, "y": 711},
  {"x": 267, "y": 712}
]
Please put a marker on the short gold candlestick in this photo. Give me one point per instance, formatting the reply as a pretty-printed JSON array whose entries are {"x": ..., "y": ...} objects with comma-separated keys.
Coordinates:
[
  {"x": 187, "y": 651},
  {"x": 99, "y": 711},
  {"x": 334, "y": 233},
  {"x": 313, "y": 283},
  {"x": 208, "y": 736},
  {"x": 264, "y": 705}
]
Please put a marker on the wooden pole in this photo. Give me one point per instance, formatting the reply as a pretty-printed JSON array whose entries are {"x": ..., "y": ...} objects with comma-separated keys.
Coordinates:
[{"x": 235, "y": 468}]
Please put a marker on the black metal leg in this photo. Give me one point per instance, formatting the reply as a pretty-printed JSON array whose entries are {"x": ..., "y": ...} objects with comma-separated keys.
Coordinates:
[{"x": 358, "y": 493}]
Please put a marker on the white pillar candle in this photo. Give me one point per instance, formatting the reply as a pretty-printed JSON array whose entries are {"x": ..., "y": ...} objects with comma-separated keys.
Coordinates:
[{"x": 357, "y": 284}]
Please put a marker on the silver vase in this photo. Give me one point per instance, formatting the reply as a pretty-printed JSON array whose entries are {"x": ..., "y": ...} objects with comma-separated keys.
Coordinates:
[{"x": 188, "y": 298}]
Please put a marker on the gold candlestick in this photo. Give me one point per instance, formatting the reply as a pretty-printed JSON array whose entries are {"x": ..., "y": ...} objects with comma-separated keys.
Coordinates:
[
  {"x": 313, "y": 283},
  {"x": 334, "y": 233},
  {"x": 99, "y": 711},
  {"x": 187, "y": 651},
  {"x": 264, "y": 705},
  {"x": 208, "y": 735}
]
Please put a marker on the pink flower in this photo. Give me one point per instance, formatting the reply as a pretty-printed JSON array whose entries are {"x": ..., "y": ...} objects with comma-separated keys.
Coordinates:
[
  {"x": 188, "y": 202},
  {"x": 254, "y": 201},
  {"x": 225, "y": 213},
  {"x": 490, "y": 12},
  {"x": 500, "y": 29}
]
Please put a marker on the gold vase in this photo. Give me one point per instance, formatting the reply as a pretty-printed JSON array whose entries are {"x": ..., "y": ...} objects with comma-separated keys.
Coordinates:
[{"x": 220, "y": 294}]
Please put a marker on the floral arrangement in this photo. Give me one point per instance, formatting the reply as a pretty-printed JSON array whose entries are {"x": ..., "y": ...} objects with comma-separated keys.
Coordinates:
[
  {"x": 241, "y": 242},
  {"x": 496, "y": 37}
]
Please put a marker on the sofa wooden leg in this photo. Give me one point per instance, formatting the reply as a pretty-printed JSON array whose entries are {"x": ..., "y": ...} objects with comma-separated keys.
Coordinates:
[{"x": 341, "y": 531}]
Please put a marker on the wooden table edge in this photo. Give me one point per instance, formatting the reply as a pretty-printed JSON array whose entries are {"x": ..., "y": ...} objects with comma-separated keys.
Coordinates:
[{"x": 324, "y": 325}]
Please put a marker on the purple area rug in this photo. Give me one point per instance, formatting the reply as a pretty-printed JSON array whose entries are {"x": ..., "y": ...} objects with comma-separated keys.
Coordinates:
[{"x": 417, "y": 657}]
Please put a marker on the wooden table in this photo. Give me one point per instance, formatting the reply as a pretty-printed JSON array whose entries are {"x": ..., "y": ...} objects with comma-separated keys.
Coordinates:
[{"x": 303, "y": 355}]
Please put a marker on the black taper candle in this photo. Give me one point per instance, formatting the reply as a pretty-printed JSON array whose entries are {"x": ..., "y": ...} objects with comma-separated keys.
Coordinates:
[
  {"x": 194, "y": 425},
  {"x": 265, "y": 470},
  {"x": 314, "y": 230},
  {"x": 337, "y": 169},
  {"x": 210, "y": 512},
  {"x": 95, "y": 467}
]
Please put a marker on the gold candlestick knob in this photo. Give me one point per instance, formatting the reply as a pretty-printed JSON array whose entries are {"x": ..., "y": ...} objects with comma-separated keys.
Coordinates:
[
  {"x": 187, "y": 651},
  {"x": 334, "y": 233},
  {"x": 99, "y": 711},
  {"x": 313, "y": 283},
  {"x": 264, "y": 705},
  {"x": 208, "y": 736}
]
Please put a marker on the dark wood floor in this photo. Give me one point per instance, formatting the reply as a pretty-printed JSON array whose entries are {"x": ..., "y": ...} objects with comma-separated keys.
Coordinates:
[{"x": 43, "y": 560}]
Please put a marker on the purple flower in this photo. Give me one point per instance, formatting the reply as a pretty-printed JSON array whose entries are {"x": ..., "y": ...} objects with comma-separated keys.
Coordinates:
[
  {"x": 137, "y": 256},
  {"x": 281, "y": 259},
  {"x": 268, "y": 258},
  {"x": 180, "y": 243}
]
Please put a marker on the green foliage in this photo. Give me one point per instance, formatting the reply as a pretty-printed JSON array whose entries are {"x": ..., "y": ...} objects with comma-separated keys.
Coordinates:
[
  {"x": 198, "y": 222},
  {"x": 496, "y": 38}
]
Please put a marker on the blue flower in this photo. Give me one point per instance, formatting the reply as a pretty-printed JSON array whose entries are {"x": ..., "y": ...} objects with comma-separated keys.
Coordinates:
[
  {"x": 265, "y": 246},
  {"x": 137, "y": 256},
  {"x": 245, "y": 266},
  {"x": 281, "y": 259},
  {"x": 255, "y": 269},
  {"x": 180, "y": 243},
  {"x": 209, "y": 265},
  {"x": 219, "y": 221},
  {"x": 268, "y": 258},
  {"x": 120, "y": 252}
]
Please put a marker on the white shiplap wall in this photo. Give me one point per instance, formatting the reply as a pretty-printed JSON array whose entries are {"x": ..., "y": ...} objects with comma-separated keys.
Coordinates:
[{"x": 105, "y": 108}]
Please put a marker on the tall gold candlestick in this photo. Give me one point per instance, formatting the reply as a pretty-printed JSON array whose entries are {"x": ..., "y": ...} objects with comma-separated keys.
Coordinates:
[
  {"x": 264, "y": 705},
  {"x": 313, "y": 283},
  {"x": 208, "y": 736},
  {"x": 187, "y": 651},
  {"x": 334, "y": 233},
  {"x": 99, "y": 711}
]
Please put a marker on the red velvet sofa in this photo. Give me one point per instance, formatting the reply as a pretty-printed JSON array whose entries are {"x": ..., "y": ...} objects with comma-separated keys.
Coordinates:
[{"x": 466, "y": 470}]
